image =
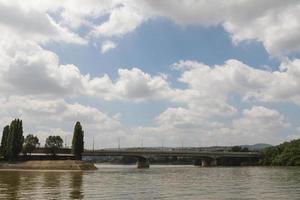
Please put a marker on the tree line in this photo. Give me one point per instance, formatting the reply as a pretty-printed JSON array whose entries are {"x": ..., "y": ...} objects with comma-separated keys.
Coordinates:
[
  {"x": 13, "y": 142},
  {"x": 285, "y": 154}
]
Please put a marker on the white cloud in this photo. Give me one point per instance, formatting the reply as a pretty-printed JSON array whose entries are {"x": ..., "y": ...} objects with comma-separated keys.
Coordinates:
[
  {"x": 273, "y": 22},
  {"x": 218, "y": 82},
  {"x": 136, "y": 84},
  {"x": 255, "y": 125},
  {"x": 27, "y": 69},
  {"x": 131, "y": 84},
  {"x": 277, "y": 27},
  {"x": 260, "y": 124},
  {"x": 209, "y": 118},
  {"x": 107, "y": 46},
  {"x": 260, "y": 120},
  {"x": 121, "y": 21},
  {"x": 33, "y": 25}
]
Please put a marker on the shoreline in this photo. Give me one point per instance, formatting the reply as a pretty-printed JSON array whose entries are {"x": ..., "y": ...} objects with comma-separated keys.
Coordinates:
[{"x": 63, "y": 165}]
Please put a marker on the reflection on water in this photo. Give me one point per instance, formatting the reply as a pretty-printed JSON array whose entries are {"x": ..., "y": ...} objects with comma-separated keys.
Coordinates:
[
  {"x": 10, "y": 184},
  {"x": 76, "y": 183},
  {"x": 158, "y": 182},
  {"x": 40, "y": 185}
]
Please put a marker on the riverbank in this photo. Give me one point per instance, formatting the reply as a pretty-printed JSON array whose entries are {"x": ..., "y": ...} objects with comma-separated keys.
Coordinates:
[{"x": 49, "y": 165}]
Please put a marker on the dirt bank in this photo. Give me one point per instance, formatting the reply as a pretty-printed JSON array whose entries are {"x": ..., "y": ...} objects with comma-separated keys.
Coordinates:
[{"x": 49, "y": 165}]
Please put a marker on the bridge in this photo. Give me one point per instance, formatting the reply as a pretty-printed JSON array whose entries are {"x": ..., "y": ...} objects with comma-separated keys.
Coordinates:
[{"x": 203, "y": 158}]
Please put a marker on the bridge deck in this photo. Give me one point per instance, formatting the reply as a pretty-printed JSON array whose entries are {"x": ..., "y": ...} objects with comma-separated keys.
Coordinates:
[{"x": 144, "y": 153}]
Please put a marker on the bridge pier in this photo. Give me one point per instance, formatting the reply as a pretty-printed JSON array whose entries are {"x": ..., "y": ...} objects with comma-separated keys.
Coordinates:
[
  {"x": 213, "y": 162},
  {"x": 206, "y": 162},
  {"x": 198, "y": 162},
  {"x": 142, "y": 163}
]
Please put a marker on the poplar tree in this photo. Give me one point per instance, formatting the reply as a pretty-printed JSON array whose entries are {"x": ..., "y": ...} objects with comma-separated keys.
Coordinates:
[
  {"x": 77, "y": 141},
  {"x": 4, "y": 140},
  {"x": 14, "y": 140}
]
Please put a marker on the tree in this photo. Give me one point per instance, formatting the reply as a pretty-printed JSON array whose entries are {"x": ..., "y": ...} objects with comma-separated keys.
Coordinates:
[
  {"x": 14, "y": 140},
  {"x": 54, "y": 143},
  {"x": 4, "y": 140},
  {"x": 236, "y": 149},
  {"x": 30, "y": 143},
  {"x": 77, "y": 141},
  {"x": 285, "y": 154}
]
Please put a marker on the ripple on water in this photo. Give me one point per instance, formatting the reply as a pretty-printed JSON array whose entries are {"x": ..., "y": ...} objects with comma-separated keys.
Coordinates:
[{"x": 158, "y": 182}]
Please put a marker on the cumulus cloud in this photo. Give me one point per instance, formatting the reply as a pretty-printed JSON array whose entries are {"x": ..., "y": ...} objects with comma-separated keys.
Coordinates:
[
  {"x": 33, "y": 25},
  {"x": 107, "y": 46},
  {"x": 208, "y": 114},
  {"x": 255, "y": 125},
  {"x": 131, "y": 84},
  {"x": 260, "y": 120},
  {"x": 274, "y": 23},
  {"x": 218, "y": 82},
  {"x": 28, "y": 69},
  {"x": 121, "y": 21},
  {"x": 258, "y": 124}
]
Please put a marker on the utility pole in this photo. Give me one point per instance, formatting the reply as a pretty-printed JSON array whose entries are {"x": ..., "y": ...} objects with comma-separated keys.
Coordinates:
[
  {"x": 142, "y": 143},
  {"x": 119, "y": 146},
  {"x": 65, "y": 141},
  {"x": 93, "y": 144}
]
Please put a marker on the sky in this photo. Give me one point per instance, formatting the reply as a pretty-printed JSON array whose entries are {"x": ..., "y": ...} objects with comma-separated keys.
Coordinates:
[{"x": 152, "y": 73}]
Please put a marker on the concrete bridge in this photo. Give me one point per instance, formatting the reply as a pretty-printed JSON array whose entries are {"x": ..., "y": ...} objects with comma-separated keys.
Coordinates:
[{"x": 202, "y": 158}]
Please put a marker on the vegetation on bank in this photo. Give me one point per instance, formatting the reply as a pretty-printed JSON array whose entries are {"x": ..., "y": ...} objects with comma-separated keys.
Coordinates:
[
  {"x": 285, "y": 154},
  {"x": 54, "y": 143},
  {"x": 31, "y": 142},
  {"x": 13, "y": 142}
]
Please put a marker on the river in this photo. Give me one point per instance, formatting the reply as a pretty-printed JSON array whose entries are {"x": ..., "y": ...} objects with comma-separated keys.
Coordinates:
[{"x": 158, "y": 182}]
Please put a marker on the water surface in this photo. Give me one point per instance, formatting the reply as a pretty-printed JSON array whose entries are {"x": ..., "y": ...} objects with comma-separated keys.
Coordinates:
[{"x": 158, "y": 182}]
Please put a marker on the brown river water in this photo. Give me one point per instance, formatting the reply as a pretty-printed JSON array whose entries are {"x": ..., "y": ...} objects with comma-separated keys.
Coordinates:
[{"x": 158, "y": 182}]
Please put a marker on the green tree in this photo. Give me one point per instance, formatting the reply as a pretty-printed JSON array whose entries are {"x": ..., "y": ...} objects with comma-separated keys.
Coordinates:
[
  {"x": 236, "y": 149},
  {"x": 285, "y": 154},
  {"x": 14, "y": 140},
  {"x": 30, "y": 143},
  {"x": 77, "y": 141},
  {"x": 53, "y": 144},
  {"x": 4, "y": 140}
]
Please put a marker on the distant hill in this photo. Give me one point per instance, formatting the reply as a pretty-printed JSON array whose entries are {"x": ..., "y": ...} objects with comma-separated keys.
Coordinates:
[{"x": 255, "y": 147}]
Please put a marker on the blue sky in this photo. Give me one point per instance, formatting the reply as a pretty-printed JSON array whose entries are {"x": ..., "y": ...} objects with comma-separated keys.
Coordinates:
[{"x": 201, "y": 73}]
